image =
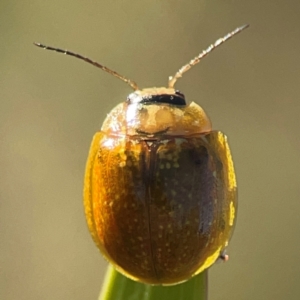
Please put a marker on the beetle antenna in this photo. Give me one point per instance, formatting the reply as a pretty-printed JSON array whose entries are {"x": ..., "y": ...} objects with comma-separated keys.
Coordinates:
[
  {"x": 94, "y": 63},
  {"x": 194, "y": 61}
]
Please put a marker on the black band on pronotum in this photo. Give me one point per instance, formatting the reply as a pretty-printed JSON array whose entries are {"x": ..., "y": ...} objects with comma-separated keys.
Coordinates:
[{"x": 164, "y": 98}]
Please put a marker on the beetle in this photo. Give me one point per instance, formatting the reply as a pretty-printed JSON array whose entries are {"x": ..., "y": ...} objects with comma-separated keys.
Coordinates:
[{"x": 160, "y": 191}]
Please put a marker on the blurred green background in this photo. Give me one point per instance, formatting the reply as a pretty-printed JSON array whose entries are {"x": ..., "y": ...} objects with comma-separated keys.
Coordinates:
[{"x": 51, "y": 105}]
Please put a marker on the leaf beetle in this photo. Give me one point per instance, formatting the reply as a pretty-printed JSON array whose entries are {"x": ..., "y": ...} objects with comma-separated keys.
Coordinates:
[{"x": 160, "y": 192}]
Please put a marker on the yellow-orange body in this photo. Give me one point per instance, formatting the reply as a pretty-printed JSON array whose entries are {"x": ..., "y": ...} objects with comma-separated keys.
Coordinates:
[{"x": 160, "y": 189}]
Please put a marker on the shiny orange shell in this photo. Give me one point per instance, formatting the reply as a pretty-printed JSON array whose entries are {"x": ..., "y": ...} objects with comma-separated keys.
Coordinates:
[{"x": 160, "y": 208}]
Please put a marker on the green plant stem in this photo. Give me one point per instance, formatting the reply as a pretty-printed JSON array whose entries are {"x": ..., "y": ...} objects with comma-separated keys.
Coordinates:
[{"x": 118, "y": 287}]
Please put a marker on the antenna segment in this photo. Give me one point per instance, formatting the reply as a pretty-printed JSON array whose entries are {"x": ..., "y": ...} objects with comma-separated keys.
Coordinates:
[
  {"x": 194, "y": 61},
  {"x": 94, "y": 63}
]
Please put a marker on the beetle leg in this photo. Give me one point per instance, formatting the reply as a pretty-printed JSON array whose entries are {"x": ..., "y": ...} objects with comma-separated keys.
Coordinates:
[{"x": 223, "y": 256}]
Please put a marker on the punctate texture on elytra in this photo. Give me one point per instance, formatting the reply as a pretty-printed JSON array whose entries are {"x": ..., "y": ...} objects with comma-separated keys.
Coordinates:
[{"x": 160, "y": 191}]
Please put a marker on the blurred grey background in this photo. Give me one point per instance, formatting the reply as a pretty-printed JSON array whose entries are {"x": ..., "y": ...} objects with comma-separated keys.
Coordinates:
[{"x": 51, "y": 105}]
